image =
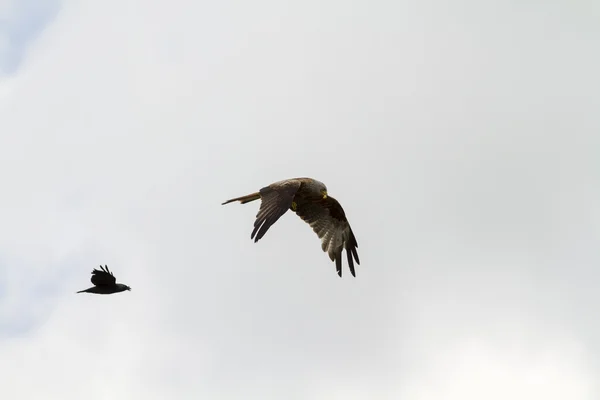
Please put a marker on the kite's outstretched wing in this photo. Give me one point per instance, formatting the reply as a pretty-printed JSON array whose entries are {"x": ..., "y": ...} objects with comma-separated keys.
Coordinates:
[
  {"x": 328, "y": 220},
  {"x": 276, "y": 198}
]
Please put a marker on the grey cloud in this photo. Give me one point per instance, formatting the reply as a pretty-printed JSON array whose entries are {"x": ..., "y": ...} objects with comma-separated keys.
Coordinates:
[{"x": 461, "y": 143}]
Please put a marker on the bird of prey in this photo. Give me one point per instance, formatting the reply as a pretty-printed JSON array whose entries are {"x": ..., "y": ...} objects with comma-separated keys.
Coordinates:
[
  {"x": 104, "y": 282},
  {"x": 308, "y": 198}
]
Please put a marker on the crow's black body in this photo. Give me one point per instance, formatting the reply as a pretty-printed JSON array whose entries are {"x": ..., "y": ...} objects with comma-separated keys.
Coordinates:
[{"x": 104, "y": 282}]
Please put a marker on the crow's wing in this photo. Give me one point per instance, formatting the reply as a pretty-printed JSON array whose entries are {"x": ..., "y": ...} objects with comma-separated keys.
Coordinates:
[{"x": 103, "y": 277}]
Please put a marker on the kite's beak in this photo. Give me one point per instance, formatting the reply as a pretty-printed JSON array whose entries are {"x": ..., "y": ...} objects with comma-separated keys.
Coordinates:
[{"x": 324, "y": 193}]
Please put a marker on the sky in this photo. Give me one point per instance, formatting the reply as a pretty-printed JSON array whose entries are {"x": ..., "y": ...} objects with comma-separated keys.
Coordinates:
[
  {"x": 461, "y": 139},
  {"x": 20, "y": 23}
]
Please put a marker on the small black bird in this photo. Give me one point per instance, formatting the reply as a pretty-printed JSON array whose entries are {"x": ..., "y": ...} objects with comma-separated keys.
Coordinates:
[{"x": 105, "y": 283}]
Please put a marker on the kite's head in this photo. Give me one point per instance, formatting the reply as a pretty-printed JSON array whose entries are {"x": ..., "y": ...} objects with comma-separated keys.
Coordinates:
[{"x": 319, "y": 187}]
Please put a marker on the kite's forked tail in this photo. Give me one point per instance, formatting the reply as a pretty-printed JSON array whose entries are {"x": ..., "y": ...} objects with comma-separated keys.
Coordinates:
[{"x": 245, "y": 199}]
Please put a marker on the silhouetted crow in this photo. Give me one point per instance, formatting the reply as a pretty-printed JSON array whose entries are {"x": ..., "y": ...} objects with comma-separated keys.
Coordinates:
[{"x": 104, "y": 283}]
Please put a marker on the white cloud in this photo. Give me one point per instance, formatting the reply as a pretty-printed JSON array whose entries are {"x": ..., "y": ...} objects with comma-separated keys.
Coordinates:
[
  {"x": 476, "y": 368},
  {"x": 461, "y": 143}
]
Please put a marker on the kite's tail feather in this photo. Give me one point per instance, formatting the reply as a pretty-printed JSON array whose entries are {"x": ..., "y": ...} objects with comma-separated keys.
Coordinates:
[{"x": 245, "y": 199}]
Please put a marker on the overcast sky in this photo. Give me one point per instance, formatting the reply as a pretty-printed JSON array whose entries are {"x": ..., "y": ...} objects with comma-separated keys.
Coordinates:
[{"x": 462, "y": 141}]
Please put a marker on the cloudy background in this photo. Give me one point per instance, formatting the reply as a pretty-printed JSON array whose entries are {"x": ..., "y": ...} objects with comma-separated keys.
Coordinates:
[{"x": 462, "y": 141}]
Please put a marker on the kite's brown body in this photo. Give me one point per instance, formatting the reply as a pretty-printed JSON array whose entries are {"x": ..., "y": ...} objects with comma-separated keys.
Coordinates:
[{"x": 308, "y": 198}]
